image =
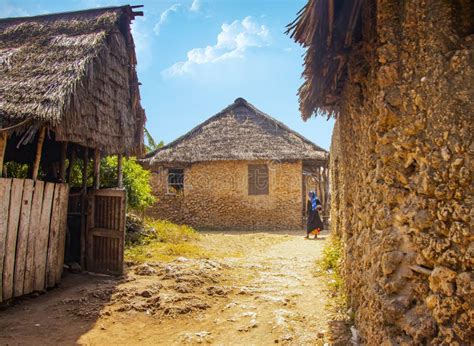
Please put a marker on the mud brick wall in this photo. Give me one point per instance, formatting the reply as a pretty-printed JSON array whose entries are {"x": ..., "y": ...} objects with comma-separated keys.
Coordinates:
[
  {"x": 216, "y": 196},
  {"x": 401, "y": 162}
]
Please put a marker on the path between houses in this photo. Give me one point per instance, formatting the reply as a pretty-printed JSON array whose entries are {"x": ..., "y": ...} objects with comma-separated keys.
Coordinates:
[{"x": 267, "y": 296}]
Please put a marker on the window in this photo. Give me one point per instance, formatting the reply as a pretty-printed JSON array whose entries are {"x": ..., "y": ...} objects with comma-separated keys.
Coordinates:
[
  {"x": 175, "y": 180},
  {"x": 258, "y": 180}
]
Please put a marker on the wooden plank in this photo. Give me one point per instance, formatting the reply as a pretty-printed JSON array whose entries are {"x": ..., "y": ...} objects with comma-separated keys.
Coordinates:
[
  {"x": 22, "y": 241},
  {"x": 62, "y": 162},
  {"x": 84, "y": 207},
  {"x": 96, "y": 184},
  {"x": 123, "y": 216},
  {"x": 12, "y": 234},
  {"x": 89, "y": 247},
  {"x": 64, "y": 198},
  {"x": 41, "y": 244},
  {"x": 39, "y": 149},
  {"x": 119, "y": 171},
  {"x": 105, "y": 232},
  {"x": 5, "y": 189},
  {"x": 3, "y": 146},
  {"x": 53, "y": 243},
  {"x": 33, "y": 233}
]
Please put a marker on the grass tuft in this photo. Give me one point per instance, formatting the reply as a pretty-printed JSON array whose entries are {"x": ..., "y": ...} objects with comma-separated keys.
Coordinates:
[
  {"x": 164, "y": 241},
  {"x": 330, "y": 267}
]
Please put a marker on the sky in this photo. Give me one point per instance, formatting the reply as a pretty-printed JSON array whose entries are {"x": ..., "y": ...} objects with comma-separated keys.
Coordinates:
[{"x": 195, "y": 57}]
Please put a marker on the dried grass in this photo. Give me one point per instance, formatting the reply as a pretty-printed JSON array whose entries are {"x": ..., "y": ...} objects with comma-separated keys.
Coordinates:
[
  {"x": 238, "y": 132},
  {"x": 75, "y": 73}
]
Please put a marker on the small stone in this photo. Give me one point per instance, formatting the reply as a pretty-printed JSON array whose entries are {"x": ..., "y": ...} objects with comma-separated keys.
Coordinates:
[
  {"x": 441, "y": 280},
  {"x": 145, "y": 294}
]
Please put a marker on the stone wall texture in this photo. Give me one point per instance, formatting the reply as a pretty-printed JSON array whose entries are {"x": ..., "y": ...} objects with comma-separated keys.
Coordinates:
[
  {"x": 216, "y": 196},
  {"x": 401, "y": 174}
]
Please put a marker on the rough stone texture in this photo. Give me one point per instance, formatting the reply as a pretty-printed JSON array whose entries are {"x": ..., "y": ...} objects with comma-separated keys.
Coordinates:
[
  {"x": 401, "y": 171},
  {"x": 216, "y": 196}
]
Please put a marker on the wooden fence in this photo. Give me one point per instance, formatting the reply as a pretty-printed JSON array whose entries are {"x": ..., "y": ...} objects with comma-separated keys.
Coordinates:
[{"x": 33, "y": 222}]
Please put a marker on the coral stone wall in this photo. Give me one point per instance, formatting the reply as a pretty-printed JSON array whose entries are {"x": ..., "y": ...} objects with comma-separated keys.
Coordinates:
[
  {"x": 401, "y": 169},
  {"x": 216, "y": 196}
]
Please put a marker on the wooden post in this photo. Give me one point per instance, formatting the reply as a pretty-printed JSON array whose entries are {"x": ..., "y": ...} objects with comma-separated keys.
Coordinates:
[
  {"x": 39, "y": 149},
  {"x": 62, "y": 162},
  {"x": 3, "y": 146},
  {"x": 119, "y": 171},
  {"x": 84, "y": 208},
  {"x": 96, "y": 169},
  {"x": 72, "y": 158}
]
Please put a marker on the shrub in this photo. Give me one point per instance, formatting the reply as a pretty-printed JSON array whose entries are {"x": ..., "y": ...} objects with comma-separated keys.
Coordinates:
[{"x": 136, "y": 181}]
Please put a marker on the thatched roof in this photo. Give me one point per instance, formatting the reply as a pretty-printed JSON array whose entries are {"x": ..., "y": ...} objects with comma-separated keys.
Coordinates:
[
  {"x": 328, "y": 28},
  {"x": 238, "y": 132},
  {"x": 74, "y": 73}
]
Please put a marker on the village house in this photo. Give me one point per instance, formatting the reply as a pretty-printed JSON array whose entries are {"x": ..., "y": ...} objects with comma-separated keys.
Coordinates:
[
  {"x": 240, "y": 169},
  {"x": 68, "y": 93},
  {"x": 397, "y": 75}
]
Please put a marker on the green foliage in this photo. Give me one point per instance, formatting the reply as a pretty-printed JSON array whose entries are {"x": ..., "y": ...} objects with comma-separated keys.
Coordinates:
[
  {"x": 332, "y": 255},
  {"x": 330, "y": 267},
  {"x": 17, "y": 170},
  {"x": 152, "y": 145},
  {"x": 136, "y": 181},
  {"x": 163, "y": 241}
]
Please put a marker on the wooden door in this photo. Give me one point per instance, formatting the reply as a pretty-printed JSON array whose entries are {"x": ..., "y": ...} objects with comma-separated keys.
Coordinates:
[{"x": 105, "y": 234}]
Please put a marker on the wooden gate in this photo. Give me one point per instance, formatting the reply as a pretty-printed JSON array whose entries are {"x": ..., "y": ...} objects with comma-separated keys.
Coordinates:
[
  {"x": 33, "y": 226},
  {"x": 106, "y": 231}
]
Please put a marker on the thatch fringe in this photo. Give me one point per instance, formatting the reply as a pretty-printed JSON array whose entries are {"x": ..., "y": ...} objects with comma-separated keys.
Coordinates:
[{"x": 328, "y": 29}]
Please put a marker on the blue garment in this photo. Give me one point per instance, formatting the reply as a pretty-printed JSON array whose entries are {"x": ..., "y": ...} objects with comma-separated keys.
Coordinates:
[{"x": 314, "y": 200}]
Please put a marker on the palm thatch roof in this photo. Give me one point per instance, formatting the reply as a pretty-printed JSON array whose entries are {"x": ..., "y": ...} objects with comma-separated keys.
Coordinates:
[
  {"x": 75, "y": 74},
  {"x": 328, "y": 28},
  {"x": 238, "y": 132}
]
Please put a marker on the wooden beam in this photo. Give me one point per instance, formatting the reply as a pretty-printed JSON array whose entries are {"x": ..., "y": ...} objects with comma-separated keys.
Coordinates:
[
  {"x": 85, "y": 159},
  {"x": 84, "y": 208},
  {"x": 3, "y": 146},
  {"x": 72, "y": 159},
  {"x": 62, "y": 162},
  {"x": 39, "y": 149},
  {"x": 96, "y": 169},
  {"x": 119, "y": 171}
]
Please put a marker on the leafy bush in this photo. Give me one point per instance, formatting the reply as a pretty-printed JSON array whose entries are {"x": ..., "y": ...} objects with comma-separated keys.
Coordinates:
[{"x": 136, "y": 181}]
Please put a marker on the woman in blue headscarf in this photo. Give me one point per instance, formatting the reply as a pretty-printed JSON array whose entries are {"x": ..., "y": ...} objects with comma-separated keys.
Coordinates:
[{"x": 314, "y": 224}]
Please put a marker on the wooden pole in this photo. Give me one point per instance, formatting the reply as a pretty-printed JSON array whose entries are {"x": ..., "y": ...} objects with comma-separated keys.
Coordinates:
[
  {"x": 119, "y": 171},
  {"x": 84, "y": 208},
  {"x": 39, "y": 149},
  {"x": 84, "y": 170},
  {"x": 62, "y": 162},
  {"x": 72, "y": 158},
  {"x": 96, "y": 169},
  {"x": 3, "y": 146}
]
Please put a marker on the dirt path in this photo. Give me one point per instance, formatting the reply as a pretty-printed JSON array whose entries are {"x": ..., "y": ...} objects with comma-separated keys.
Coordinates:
[{"x": 269, "y": 295}]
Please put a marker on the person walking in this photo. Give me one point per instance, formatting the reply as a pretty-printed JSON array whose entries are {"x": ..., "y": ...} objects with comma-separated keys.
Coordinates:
[{"x": 314, "y": 224}]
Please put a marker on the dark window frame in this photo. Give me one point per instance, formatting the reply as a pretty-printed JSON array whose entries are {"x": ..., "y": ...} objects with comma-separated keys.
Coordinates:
[
  {"x": 258, "y": 180},
  {"x": 175, "y": 181}
]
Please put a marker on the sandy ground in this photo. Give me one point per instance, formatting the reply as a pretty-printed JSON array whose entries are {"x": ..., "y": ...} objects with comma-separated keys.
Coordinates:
[{"x": 265, "y": 295}]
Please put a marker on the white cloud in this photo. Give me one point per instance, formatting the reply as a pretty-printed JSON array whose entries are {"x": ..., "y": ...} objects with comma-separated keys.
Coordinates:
[
  {"x": 195, "y": 6},
  {"x": 164, "y": 17},
  {"x": 232, "y": 43}
]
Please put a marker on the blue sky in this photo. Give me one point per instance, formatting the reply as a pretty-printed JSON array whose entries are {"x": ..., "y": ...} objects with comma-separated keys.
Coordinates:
[{"x": 195, "y": 57}]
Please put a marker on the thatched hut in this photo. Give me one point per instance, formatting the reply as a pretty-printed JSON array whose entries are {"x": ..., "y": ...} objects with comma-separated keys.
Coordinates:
[
  {"x": 398, "y": 77},
  {"x": 239, "y": 169},
  {"x": 68, "y": 91}
]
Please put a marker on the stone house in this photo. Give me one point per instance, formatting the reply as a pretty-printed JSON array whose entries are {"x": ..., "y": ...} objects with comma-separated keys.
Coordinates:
[
  {"x": 239, "y": 169},
  {"x": 397, "y": 75}
]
